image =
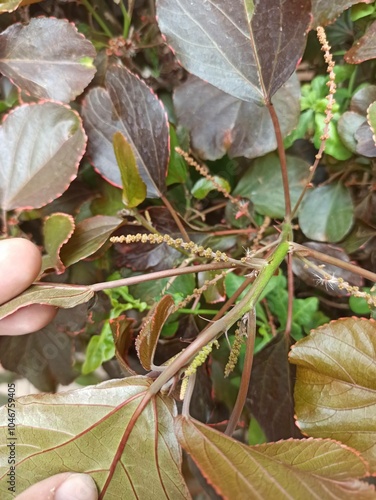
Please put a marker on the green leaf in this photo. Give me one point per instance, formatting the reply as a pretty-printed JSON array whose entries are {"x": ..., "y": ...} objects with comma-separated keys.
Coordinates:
[
  {"x": 371, "y": 119},
  {"x": 44, "y": 58},
  {"x": 203, "y": 186},
  {"x": 61, "y": 295},
  {"x": 215, "y": 292},
  {"x": 101, "y": 348},
  {"x": 230, "y": 44},
  {"x": 301, "y": 468},
  {"x": 147, "y": 339},
  {"x": 134, "y": 188},
  {"x": 327, "y": 213},
  {"x": 359, "y": 305},
  {"x": 177, "y": 168},
  {"x": 97, "y": 431},
  {"x": 88, "y": 237},
  {"x": 335, "y": 391},
  {"x": 57, "y": 229},
  {"x": 262, "y": 184}
]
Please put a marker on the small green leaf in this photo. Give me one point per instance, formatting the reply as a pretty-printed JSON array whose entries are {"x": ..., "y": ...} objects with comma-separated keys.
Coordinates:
[
  {"x": 203, "y": 186},
  {"x": 371, "y": 118},
  {"x": 58, "y": 228},
  {"x": 134, "y": 188},
  {"x": 359, "y": 305},
  {"x": 101, "y": 348},
  {"x": 327, "y": 213}
]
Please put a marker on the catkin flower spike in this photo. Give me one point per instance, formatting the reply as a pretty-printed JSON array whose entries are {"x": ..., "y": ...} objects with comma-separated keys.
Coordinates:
[
  {"x": 157, "y": 239},
  {"x": 240, "y": 336},
  {"x": 196, "y": 363},
  {"x": 242, "y": 207}
]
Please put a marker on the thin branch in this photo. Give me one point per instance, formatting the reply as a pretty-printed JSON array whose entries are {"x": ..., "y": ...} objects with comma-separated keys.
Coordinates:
[
  {"x": 105, "y": 285},
  {"x": 282, "y": 159},
  {"x": 176, "y": 218},
  {"x": 246, "y": 375},
  {"x": 323, "y": 257}
]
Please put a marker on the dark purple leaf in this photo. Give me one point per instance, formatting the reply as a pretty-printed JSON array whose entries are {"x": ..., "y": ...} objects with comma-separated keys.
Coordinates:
[
  {"x": 47, "y": 58},
  {"x": 362, "y": 99},
  {"x": 365, "y": 142},
  {"x": 130, "y": 107},
  {"x": 364, "y": 49},
  {"x": 325, "y": 12},
  {"x": 220, "y": 123},
  {"x": 270, "y": 396},
  {"x": 55, "y": 134},
  {"x": 45, "y": 357},
  {"x": 246, "y": 50}
]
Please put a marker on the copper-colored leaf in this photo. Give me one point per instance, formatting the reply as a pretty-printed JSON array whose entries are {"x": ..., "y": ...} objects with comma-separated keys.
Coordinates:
[
  {"x": 130, "y": 107},
  {"x": 47, "y": 58},
  {"x": 335, "y": 391},
  {"x": 57, "y": 230},
  {"x": 97, "y": 431},
  {"x": 32, "y": 180},
  {"x": 88, "y": 237},
  {"x": 364, "y": 49},
  {"x": 147, "y": 339},
  {"x": 61, "y": 295},
  {"x": 247, "y": 49},
  {"x": 121, "y": 328},
  {"x": 325, "y": 12},
  {"x": 310, "y": 468}
]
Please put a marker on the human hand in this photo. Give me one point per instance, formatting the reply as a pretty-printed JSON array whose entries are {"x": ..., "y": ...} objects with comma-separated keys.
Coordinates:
[{"x": 20, "y": 263}]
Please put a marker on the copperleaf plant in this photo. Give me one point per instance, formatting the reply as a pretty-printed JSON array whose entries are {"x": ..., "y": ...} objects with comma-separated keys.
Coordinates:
[{"x": 242, "y": 98}]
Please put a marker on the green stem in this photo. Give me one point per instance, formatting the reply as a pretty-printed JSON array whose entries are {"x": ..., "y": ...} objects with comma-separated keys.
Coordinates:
[
  {"x": 97, "y": 17},
  {"x": 127, "y": 19},
  {"x": 216, "y": 329}
]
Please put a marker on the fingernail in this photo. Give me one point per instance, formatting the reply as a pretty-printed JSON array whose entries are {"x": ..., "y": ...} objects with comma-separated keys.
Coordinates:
[{"x": 77, "y": 487}]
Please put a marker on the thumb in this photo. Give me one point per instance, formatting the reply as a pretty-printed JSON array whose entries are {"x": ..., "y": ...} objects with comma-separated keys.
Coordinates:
[{"x": 66, "y": 486}]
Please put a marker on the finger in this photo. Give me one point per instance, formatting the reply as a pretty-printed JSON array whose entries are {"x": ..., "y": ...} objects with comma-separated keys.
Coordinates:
[
  {"x": 28, "y": 319},
  {"x": 66, "y": 486},
  {"x": 20, "y": 263}
]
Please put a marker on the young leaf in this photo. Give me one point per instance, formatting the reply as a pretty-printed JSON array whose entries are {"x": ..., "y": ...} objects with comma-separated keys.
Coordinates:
[
  {"x": 88, "y": 237},
  {"x": 96, "y": 430},
  {"x": 61, "y": 295},
  {"x": 134, "y": 188},
  {"x": 262, "y": 183},
  {"x": 220, "y": 123},
  {"x": 57, "y": 230},
  {"x": 128, "y": 106},
  {"x": 32, "y": 180},
  {"x": 327, "y": 213},
  {"x": 122, "y": 331},
  {"x": 364, "y": 49},
  {"x": 204, "y": 186},
  {"x": 147, "y": 339},
  {"x": 335, "y": 391},
  {"x": 47, "y": 58},
  {"x": 312, "y": 468},
  {"x": 246, "y": 50}
]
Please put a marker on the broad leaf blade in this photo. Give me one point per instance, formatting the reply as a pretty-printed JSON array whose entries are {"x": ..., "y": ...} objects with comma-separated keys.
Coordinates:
[
  {"x": 134, "y": 188},
  {"x": 335, "y": 391},
  {"x": 219, "y": 123},
  {"x": 32, "y": 180},
  {"x": 325, "y": 12},
  {"x": 248, "y": 53},
  {"x": 95, "y": 430},
  {"x": 262, "y": 183},
  {"x": 147, "y": 339},
  {"x": 364, "y": 49},
  {"x": 88, "y": 237},
  {"x": 130, "y": 107},
  {"x": 61, "y": 295},
  {"x": 327, "y": 213},
  {"x": 284, "y": 470},
  {"x": 47, "y": 58}
]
